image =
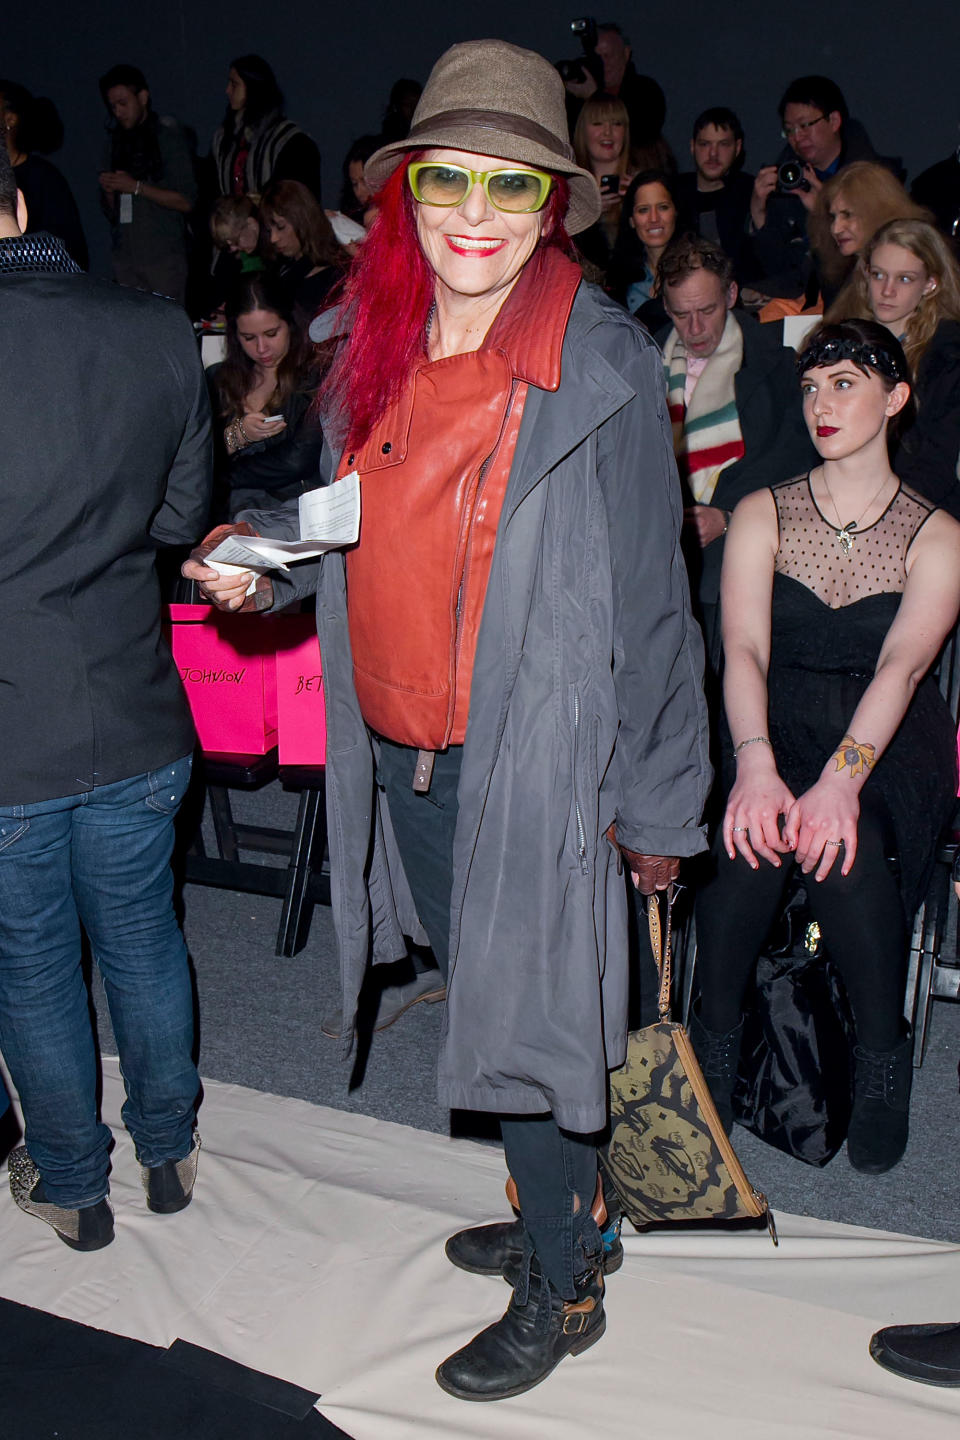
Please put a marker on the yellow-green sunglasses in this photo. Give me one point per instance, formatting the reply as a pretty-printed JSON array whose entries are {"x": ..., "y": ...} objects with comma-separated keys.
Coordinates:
[{"x": 518, "y": 192}]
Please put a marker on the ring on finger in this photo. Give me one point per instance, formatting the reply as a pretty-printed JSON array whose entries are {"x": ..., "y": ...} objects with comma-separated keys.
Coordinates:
[
  {"x": 833, "y": 842},
  {"x": 740, "y": 829}
]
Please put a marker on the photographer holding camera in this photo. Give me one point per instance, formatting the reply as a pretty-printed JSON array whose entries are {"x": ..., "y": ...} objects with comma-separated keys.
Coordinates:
[
  {"x": 821, "y": 139},
  {"x": 606, "y": 67}
]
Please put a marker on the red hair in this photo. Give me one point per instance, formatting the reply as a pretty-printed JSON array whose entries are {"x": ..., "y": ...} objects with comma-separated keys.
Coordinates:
[{"x": 386, "y": 301}]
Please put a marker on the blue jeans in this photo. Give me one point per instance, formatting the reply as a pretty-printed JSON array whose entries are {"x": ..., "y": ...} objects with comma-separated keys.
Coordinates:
[{"x": 100, "y": 860}]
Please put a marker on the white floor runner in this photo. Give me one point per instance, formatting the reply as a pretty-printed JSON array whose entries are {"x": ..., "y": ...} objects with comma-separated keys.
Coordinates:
[{"x": 314, "y": 1251}]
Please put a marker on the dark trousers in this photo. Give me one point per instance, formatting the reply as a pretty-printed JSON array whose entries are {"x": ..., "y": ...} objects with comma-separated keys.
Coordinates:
[
  {"x": 555, "y": 1172},
  {"x": 860, "y": 915}
]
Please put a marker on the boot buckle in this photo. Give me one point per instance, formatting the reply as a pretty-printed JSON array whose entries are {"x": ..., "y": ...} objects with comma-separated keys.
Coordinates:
[{"x": 580, "y": 1317}]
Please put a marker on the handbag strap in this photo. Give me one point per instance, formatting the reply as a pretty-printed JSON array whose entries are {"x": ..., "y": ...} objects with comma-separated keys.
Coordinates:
[{"x": 661, "y": 926}]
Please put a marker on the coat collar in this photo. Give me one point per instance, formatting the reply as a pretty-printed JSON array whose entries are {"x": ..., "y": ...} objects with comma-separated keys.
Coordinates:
[{"x": 531, "y": 325}]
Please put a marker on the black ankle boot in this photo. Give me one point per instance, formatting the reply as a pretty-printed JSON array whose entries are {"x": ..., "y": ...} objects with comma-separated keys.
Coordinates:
[
  {"x": 880, "y": 1121},
  {"x": 498, "y": 1249},
  {"x": 485, "y": 1249},
  {"x": 169, "y": 1186},
  {"x": 528, "y": 1342},
  {"x": 90, "y": 1228},
  {"x": 719, "y": 1054}
]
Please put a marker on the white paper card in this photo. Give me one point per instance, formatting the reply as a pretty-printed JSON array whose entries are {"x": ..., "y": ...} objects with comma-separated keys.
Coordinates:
[
  {"x": 126, "y": 209},
  {"x": 332, "y": 513},
  {"x": 329, "y": 519},
  {"x": 223, "y": 569}
]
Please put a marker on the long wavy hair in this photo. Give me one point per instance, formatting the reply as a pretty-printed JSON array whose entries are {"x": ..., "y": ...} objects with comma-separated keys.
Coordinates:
[
  {"x": 629, "y": 259},
  {"x": 874, "y": 195},
  {"x": 297, "y": 370},
  {"x": 263, "y": 94},
  {"x": 933, "y": 250},
  {"x": 386, "y": 301},
  {"x": 294, "y": 203}
]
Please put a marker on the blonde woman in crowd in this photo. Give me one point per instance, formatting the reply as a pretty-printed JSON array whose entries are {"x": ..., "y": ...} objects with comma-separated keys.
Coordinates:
[{"x": 909, "y": 280}]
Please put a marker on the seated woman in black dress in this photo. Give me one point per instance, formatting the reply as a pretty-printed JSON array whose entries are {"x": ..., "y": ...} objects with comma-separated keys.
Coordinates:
[
  {"x": 838, "y": 590},
  {"x": 310, "y": 258},
  {"x": 263, "y": 394}
]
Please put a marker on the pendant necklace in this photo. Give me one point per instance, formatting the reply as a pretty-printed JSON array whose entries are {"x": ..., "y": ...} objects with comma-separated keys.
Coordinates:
[{"x": 844, "y": 533}]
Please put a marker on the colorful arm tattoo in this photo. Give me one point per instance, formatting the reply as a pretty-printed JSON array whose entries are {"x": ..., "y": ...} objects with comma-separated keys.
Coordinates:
[{"x": 855, "y": 756}]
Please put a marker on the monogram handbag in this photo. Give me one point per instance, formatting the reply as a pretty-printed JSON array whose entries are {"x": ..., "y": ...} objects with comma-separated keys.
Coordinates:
[{"x": 669, "y": 1158}]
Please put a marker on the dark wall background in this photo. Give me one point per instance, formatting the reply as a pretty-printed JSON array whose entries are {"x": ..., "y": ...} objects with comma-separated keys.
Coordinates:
[{"x": 896, "y": 62}]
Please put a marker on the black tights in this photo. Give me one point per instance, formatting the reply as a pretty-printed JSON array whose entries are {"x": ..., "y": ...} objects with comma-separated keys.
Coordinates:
[{"x": 860, "y": 916}]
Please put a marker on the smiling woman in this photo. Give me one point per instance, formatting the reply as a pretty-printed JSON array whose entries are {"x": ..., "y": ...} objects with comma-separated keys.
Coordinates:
[
  {"x": 647, "y": 225},
  {"x": 510, "y": 664}
]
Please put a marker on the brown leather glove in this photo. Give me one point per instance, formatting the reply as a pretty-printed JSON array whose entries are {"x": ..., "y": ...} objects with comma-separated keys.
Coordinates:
[
  {"x": 650, "y": 872},
  {"x": 262, "y": 597}
]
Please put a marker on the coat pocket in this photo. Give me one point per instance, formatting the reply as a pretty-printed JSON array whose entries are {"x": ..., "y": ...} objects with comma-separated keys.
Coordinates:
[{"x": 579, "y": 751}]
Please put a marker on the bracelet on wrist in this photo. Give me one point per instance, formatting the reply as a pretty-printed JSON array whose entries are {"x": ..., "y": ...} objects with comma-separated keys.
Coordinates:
[
  {"x": 753, "y": 740},
  {"x": 244, "y": 437},
  {"x": 139, "y": 187}
]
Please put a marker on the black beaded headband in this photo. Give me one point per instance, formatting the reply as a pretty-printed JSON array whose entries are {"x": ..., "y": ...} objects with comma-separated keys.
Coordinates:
[{"x": 828, "y": 351}]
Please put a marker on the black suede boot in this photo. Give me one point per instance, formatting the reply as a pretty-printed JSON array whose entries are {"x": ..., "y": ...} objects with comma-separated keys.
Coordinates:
[
  {"x": 498, "y": 1249},
  {"x": 880, "y": 1121},
  {"x": 485, "y": 1249},
  {"x": 537, "y": 1331},
  {"x": 928, "y": 1353},
  {"x": 719, "y": 1054}
]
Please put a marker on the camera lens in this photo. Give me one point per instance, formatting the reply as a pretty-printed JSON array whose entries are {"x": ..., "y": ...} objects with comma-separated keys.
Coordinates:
[{"x": 790, "y": 175}]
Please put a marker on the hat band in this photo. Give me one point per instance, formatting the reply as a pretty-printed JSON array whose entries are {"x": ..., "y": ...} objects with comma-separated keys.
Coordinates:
[{"x": 498, "y": 122}]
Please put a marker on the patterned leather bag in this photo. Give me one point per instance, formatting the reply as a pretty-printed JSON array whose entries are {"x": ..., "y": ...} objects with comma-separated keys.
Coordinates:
[{"x": 669, "y": 1157}]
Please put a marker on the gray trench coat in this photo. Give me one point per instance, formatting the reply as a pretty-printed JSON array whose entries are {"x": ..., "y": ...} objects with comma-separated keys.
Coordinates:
[{"x": 586, "y": 706}]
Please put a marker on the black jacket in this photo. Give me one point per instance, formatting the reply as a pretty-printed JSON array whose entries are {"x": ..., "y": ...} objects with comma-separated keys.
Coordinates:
[
  {"x": 928, "y": 454},
  {"x": 261, "y": 475},
  {"x": 731, "y": 206},
  {"x": 775, "y": 439},
  {"x": 779, "y": 262},
  {"x": 105, "y": 439},
  {"x": 939, "y": 189}
]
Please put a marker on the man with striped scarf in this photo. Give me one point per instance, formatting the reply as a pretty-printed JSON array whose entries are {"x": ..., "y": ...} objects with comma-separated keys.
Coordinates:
[{"x": 734, "y": 405}]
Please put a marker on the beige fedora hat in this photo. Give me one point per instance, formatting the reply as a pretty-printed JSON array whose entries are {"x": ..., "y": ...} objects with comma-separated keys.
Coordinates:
[{"x": 496, "y": 99}]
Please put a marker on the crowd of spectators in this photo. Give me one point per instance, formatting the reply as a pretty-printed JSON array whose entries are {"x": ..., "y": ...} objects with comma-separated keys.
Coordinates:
[
  {"x": 711, "y": 259},
  {"x": 713, "y": 262}
]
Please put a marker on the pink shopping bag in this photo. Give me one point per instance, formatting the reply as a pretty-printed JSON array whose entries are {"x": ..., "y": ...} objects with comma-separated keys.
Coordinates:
[
  {"x": 301, "y": 715},
  {"x": 226, "y": 663}
]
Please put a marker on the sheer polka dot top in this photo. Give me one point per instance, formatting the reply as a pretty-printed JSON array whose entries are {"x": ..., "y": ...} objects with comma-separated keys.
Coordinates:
[{"x": 842, "y": 564}]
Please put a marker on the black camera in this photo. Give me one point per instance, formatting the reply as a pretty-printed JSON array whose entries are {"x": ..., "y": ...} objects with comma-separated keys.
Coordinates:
[
  {"x": 585, "y": 29},
  {"x": 790, "y": 177}
]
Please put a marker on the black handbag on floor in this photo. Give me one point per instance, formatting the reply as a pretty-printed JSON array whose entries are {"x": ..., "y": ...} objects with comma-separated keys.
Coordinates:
[{"x": 795, "y": 1079}]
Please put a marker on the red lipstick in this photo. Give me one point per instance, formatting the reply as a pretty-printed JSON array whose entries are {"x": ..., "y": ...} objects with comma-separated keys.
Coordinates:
[
  {"x": 824, "y": 430},
  {"x": 473, "y": 251}
]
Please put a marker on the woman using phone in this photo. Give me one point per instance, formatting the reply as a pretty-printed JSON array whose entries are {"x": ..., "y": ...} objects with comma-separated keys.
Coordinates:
[
  {"x": 601, "y": 142},
  {"x": 263, "y": 392},
  {"x": 838, "y": 590}
]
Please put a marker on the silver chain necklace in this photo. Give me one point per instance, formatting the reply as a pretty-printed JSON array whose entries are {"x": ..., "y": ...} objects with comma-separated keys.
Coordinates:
[{"x": 844, "y": 533}]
